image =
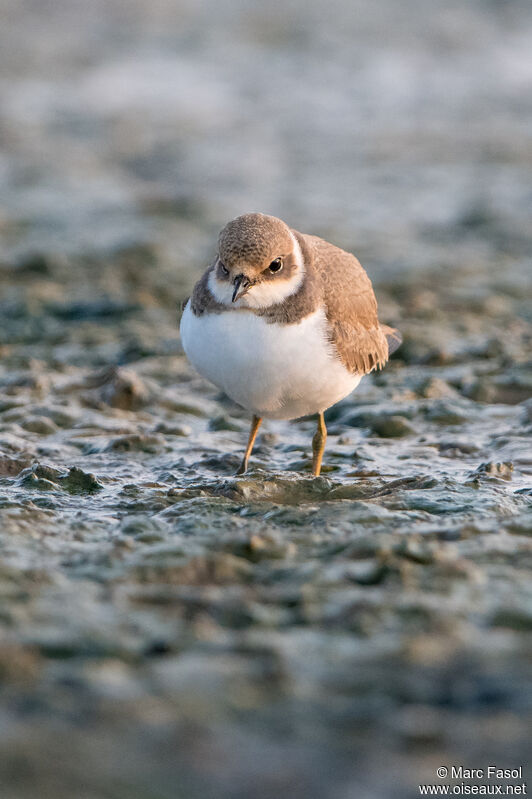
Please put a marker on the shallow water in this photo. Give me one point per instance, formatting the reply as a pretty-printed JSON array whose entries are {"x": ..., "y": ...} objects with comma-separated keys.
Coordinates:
[{"x": 168, "y": 629}]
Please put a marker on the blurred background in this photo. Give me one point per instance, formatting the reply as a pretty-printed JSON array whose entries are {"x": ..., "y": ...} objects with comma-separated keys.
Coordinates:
[
  {"x": 388, "y": 127},
  {"x": 166, "y": 631}
]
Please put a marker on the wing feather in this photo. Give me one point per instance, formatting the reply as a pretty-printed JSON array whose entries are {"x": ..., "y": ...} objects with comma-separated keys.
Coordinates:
[{"x": 362, "y": 343}]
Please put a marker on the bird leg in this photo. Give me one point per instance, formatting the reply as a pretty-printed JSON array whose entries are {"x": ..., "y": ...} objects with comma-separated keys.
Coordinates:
[
  {"x": 255, "y": 424},
  {"x": 318, "y": 445}
]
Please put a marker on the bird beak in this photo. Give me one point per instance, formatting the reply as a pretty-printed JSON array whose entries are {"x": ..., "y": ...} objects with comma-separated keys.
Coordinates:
[{"x": 241, "y": 286}]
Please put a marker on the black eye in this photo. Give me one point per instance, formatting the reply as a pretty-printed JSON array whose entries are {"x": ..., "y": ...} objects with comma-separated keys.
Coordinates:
[
  {"x": 224, "y": 269},
  {"x": 276, "y": 265}
]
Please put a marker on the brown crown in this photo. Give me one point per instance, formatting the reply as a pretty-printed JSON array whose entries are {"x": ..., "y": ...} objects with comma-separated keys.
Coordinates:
[{"x": 254, "y": 239}]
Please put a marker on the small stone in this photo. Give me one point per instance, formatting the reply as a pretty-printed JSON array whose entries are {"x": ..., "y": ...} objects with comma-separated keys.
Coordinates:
[
  {"x": 140, "y": 443},
  {"x": 480, "y": 389},
  {"x": 10, "y": 467},
  {"x": 32, "y": 482},
  {"x": 46, "y": 478},
  {"x": 59, "y": 415},
  {"x": 224, "y": 423},
  {"x": 263, "y": 547},
  {"x": 78, "y": 481},
  {"x": 446, "y": 413},
  {"x": 269, "y": 439},
  {"x": 392, "y": 427},
  {"x": 513, "y": 388},
  {"x": 173, "y": 429},
  {"x": 125, "y": 390},
  {"x": 367, "y": 572},
  {"x": 497, "y": 471},
  {"x": 40, "y": 425},
  {"x": 436, "y": 388},
  {"x": 415, "y": 550},
  {"x": 456, "y": 446},
  {"x": 39, "y": 478}
]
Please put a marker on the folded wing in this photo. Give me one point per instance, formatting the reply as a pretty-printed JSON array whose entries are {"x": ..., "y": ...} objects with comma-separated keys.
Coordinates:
[{"x": 362, "y": 343}]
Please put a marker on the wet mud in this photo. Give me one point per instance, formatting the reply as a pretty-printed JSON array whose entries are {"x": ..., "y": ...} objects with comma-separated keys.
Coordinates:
[{"x": 168, "y": 629}]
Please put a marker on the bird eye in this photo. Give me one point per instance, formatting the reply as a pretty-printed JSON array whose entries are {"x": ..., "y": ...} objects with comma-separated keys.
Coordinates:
[
  {"x": 276, "y": 265},
  {"x": 224, "y": 269}
]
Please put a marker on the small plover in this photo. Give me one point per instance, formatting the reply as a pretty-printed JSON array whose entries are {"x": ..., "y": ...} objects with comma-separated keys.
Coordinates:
[{"x": 284, "y": 323}]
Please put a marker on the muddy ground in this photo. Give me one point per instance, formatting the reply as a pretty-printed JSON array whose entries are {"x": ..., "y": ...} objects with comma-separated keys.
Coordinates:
[{"x": 169, "y": 631}]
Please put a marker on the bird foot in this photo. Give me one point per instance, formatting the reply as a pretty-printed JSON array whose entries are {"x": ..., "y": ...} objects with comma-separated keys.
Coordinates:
[{"x": 242, "y": 469}]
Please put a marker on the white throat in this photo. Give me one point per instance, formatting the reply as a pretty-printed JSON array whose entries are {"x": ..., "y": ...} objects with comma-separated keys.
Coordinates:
[{"x": 263, "y": 295}]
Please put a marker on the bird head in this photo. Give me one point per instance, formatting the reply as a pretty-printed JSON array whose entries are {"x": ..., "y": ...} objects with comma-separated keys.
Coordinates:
[{"x": 259, "y": 262}]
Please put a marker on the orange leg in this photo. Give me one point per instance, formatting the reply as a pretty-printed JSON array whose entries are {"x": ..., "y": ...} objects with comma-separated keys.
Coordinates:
[
  {"x": 255, "y": 424},
  {"x": 318, "y": 445}
]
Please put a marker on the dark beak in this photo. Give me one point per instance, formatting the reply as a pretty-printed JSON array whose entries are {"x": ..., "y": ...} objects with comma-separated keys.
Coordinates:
[{"x": 241, "y": 285}]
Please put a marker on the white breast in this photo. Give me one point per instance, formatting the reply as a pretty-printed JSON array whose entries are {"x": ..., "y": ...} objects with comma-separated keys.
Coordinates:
[{"x": 276, "y": 371}]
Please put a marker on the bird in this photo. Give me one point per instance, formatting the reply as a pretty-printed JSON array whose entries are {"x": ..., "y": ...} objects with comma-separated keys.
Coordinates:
[{"x": 284, "y": 323}]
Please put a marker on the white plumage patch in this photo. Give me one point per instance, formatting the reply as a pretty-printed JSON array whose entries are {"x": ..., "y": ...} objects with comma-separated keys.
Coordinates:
[{"x": 276, "y": 371}]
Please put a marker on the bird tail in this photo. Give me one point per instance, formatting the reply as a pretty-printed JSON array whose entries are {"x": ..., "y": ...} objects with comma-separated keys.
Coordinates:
[{"x": 393, "y": 337}]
